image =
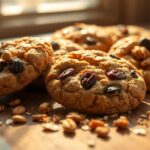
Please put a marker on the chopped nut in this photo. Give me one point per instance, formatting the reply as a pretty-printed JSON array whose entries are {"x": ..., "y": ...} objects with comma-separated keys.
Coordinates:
[
  {"x": 45, "y": 107},
  {"x": 19, "y": 119},
  {"x": 95, "y": 123},
  {"x": 148, "y": 114},
  {"x": 14, "y": 102},
  {"x": 121, "y": 123},
  {"x": 19, "y": 110},
  {"x": 76, "y": 117},
  {"x": 139, "y": 131},
  {"x": 102, "y": 131},
  {"x": 69, "y": 125},
  {"x": 50, "y": 127},
  {"x": 85, "y": 127},
  {"x": 2, "y": 108},
  {"x": 8, "y": 121},
  {"x": 55, "y": 118},
  {"x": 6, "y": 55},
  {"x": 40, "y": 118}
]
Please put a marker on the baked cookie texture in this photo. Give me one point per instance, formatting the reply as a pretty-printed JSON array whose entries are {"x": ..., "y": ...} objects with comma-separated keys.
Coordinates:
[
  {"x": 120, "y": 31},
  {"x": 87, "y": 36},
  {"x": 96, "y": 83},
  {"x": 136, "y": 50},
  {"x": 21, "y": 61},
  {"x": 63, "y": 46}
]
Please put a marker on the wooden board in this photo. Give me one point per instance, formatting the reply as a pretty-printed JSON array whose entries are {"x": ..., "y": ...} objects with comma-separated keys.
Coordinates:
[{"x": 31, "y": 137}]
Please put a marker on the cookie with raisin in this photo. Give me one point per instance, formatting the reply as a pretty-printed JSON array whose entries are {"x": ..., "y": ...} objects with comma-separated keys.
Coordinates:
[
  {"x": 94, "y": 82},
  {"x": 85, "y": 35},
  {"x": 21, "y": 61},
  {"x": 136, "y": 50}
]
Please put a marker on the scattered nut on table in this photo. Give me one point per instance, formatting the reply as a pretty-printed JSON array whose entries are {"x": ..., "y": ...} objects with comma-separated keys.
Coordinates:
[
  {"x": 69, "y": 125},
  {"x": 19, "y": 119},
  {"x": 40, "y": 118},
  {"x": 95, "y": 123},
  {"x": 45, "y": 107},
  {"x": 19, "y": 110},
  {"x": 121, "y": 123},
  {"x": 102, "y": 131},
  {"x": 50, "y": 127},
  {"x": 78, "y": 118}
]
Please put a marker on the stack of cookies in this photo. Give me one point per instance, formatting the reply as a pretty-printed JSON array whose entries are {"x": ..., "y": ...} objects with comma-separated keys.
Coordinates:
[{"x": 86, "y": 68}]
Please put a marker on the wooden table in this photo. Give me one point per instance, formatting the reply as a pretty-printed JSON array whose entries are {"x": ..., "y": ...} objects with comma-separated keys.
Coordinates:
[{"x": 31, "y": 137}]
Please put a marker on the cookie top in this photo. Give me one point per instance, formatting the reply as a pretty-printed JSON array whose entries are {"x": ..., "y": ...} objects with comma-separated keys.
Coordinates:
[
  {"x": 95, "y": 83},
  {"x": 63, "y": 46},
  {"x": 120, "y": 31},
  {"x": 21, "y": 61},
  {"x": 136, "y": 50},
  {"x": 87, "y": 36}
]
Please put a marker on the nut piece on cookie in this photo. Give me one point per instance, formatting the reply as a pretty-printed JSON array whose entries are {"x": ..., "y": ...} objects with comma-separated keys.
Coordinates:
[
  {"x": 96, "y": 83},
  {"x": 22, "y": 61},
  {"x": 136, "y": 50}
]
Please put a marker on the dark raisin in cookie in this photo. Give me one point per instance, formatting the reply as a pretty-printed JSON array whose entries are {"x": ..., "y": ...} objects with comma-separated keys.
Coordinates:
[{"x": 94, "y": 82}]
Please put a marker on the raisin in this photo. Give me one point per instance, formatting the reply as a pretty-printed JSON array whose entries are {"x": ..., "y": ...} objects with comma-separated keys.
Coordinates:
[
  {"x": 133, "y": 74},
  {"x": 66, "y": 73},
  {"x": 90, "y": 40},
  {"x": 145, "y": 42},
  {"x": 3, "y": 64},
  {"x": 55, "y": 46},
  {"x": 88, "y": 80},
  {"x": 15, "y": 65},
  {"x": 116, "y": 74},
  {"x": 112, "y": 89},
  {"x": 113, "y": 56}
]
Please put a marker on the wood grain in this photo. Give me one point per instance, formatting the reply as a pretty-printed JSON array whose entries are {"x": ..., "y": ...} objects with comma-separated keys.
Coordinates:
[{"x": 30, "y": 136}]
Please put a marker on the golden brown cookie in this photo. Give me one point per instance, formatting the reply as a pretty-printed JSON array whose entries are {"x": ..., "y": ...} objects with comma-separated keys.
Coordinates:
[
  {"x": 136, "y": 50},
  {"x": 96, "y": 83},
  {"x": 21, "y": 61}
]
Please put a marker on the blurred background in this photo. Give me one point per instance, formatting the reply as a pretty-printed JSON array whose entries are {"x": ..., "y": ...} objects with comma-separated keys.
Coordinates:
[{"x": 28, "y": 17}]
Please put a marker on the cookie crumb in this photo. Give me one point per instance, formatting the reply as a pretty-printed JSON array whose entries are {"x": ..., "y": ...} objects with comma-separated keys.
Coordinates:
[
  {"x": 102, "y": 131},
  {"x": 50, "y": 127},
  {"x": 139, "y": 131},
  {"x": 19, "y": 110},
  {"x": 19, "y": 119},
  {"x": 40, "y": 118},
  {"x": 78, "y": 118},
  {"x": 94, "y": 123},
  {"x": 9, "y": 122},
  {"x": 85, "y": 128},
  {"x": 69, "y": 125},
  {"x": 121, "y": 123},
  {"x": 45, "y": 107}
]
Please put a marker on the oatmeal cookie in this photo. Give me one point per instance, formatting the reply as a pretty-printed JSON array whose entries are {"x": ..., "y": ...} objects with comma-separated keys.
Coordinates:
[
  {"x": 136, "y": 50},
  {"x": 21, "y": 61},
  {"x": 96, "y": 83},
  {"x": 120, "y": 31},
  {"x": 63, "y": 46},
  {"x": 87, "y": 36}
]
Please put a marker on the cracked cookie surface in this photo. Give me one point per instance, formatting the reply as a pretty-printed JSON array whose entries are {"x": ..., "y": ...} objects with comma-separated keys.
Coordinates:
[
  {"x": 87, "y": 36},
  {"x": 21, "y": 61},
  {"x": 95, "y": 83},
  {"x": 137, "y": 51}
]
